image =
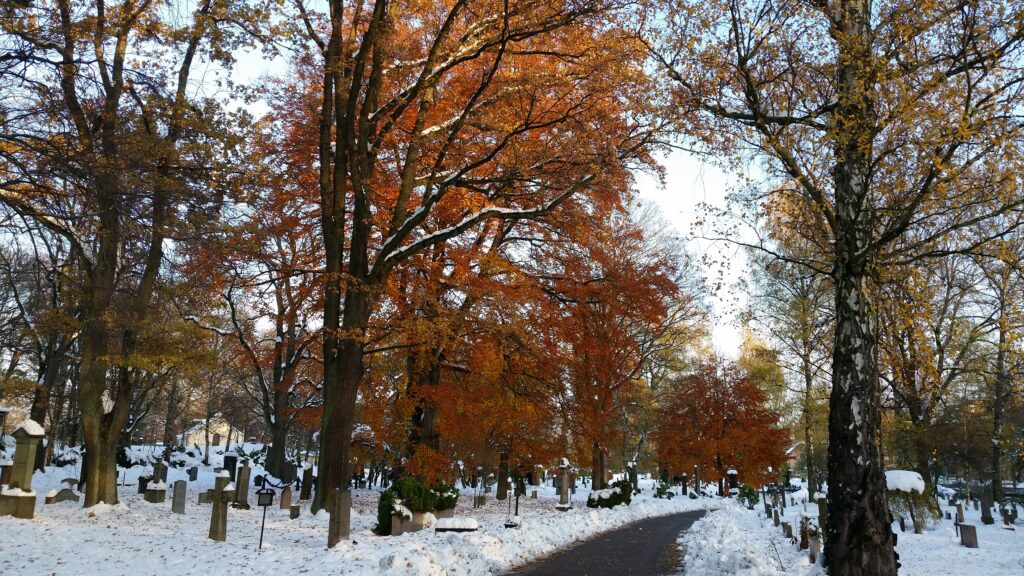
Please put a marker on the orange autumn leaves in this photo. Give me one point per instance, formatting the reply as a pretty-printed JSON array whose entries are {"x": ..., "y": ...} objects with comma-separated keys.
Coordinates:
[{"x": 716, "y": 418}]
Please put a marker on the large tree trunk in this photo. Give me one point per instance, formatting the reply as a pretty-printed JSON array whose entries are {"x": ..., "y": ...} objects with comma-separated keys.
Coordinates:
[
  {"x": 100, "y": 440},
  {"x": 599, "y": 466},
  {"x": 52, "y": 363},
  {"x": 277, "y": 456},
  {"x": 859, "y": 536},
  {"x": 859, "y": 539}
]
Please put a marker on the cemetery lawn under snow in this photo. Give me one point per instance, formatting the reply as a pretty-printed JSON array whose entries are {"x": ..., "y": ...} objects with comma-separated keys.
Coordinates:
[
  {"x": 138, "y": 538},
  {"x": 740, "y": 542}
]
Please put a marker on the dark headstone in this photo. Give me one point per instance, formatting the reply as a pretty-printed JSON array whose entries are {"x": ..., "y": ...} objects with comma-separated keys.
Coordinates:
[
  {"x": 193, "y": 473},
  {"x": 293, "y": 512},
  {"x": 960, "y": 513},
  {"x": 143, "y": 483},
  {"x": 230, "y": 463},
  {"x": 969, "y": 535}
]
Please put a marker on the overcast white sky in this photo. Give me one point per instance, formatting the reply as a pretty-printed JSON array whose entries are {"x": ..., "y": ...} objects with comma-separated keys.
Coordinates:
[{"x": 690, "y": 182}]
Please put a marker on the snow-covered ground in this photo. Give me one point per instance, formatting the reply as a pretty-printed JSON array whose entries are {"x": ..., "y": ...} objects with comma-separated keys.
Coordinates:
[
  {"x": 138, "y": 538},
  {"x": 736, "y": 541}
]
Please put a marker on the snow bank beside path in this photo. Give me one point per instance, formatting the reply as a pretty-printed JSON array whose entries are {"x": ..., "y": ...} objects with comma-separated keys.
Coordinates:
[
  {"x": 138, "y": 538},
  {"x": 738, "y": 542}
]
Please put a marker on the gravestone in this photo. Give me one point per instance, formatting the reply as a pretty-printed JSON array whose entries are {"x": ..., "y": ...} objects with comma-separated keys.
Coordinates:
[
  {"x": 286, "y": 498},
  {"x": 19, "y": 500},
  {"x": 193, "y": 473},
  {"x": 563, "y": 495},
  {"x": 975, "y": 504},
  {"x": 230, "y": 463},
  {"x": 223, "y": 493},
  {"x": 65, "y": 495},
  {"x": 70, "y": 482},
  {"x": 143, "y": 483},
  {"x": 775, "y": 517},
  {"x": 305, "y": 491},
  {"x": 5, "y": 471},
  {"x": 969, "y": 535},
  {"x": 206, "y": 497},
  {"x": 960, "y": 513},
  {"x": 787, "y": 529},
  {"x": 533, "y": 494},
  {"x": 178, "y": 497},
  {"x": 804, "y": 532},
  {"x": 242, "y": 488},
  {"x": 948, "y": 516},
  {"x": 156, "y": 493},
  {"x": 160, "y": 471},
  {"x": 293, "y": 512},
  {"x": 696, "y": 480}
]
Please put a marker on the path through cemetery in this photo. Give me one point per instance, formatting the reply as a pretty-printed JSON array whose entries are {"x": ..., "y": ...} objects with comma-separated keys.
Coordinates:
[{"x": 647, "y": 547}]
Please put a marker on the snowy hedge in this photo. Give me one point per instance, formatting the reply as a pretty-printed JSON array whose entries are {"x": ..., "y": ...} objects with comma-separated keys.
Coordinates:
[{"x": 620, "y": 492}]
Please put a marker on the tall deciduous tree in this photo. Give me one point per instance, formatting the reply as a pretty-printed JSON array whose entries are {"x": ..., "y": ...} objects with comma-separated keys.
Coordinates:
[
  {"x": 436, "y": 118},
  {"x": 117, "y": 157},
  {"x": 899, "y": 123}
]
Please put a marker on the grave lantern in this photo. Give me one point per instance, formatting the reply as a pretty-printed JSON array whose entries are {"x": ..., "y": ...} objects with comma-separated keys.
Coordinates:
[{"x": 264, "y": 498}]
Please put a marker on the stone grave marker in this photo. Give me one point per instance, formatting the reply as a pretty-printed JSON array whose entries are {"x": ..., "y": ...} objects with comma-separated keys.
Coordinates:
[
  {"x": 64, "y": 495},
  {"x": 975, "y": 501},
  {"x": 71, "y": 483},
  {"x": 563, "y": 495},
  {"x": 822, "y": 512},
  {"x": 230, "y": 463},
  {"x": 804, "y": 530},
  {"x": 156, "y": 493},
  {"x": 533, "y": 494},
  {"x": 160, "y": 471},
  {"x": 969, "y": 535},
  {"x": 19, "y": 500},
  {"x": 144, "y": 483},
  {"x": 959, "y": 512},
  {"x": 193, "y": 473},
  {"x": 223, "y": 493},
  {"x": 178, "y": 497},
  {"x": 286, "y": 498},
  {"x": 242, "y": 488},
  {"x": 293, "y": 512},
  {"x": 775, "y": 517},
  {"x": 206, "y": 497}
]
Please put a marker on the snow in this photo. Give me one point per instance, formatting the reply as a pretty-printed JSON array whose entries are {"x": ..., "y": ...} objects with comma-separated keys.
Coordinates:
[
  {"x": 223, "y": 474},
  {"x": 7, "y": 491},
  {"x": 135, "y": 538},
  {"x": 156, "y": 486},
  {"x": 457, "y": 524},
  {"x": 904, "y": 481},
  {"x": 31, "y": 427},
  {"x": 735, "y": 541}
]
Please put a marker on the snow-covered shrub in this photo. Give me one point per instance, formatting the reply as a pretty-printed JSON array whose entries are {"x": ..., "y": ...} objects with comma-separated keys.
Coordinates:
[
  {"x": 748, "y": 496},
  {"x": 909, "y": 495},
  {"x": 414, "y": 494},
  {"x": 620, "y": 492},
  {"x": 385, "y": 507},
  {"x": 663, "y": 491},
  {"x": 446, "y": 496}
]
